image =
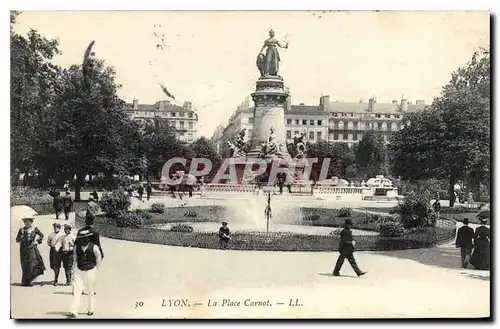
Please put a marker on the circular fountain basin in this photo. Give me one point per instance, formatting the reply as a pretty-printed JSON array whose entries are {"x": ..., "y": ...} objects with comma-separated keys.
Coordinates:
[{"x": 208, "y": 227}]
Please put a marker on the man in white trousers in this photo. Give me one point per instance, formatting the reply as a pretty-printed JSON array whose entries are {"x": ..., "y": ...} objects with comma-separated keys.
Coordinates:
[{"x": 87, "y": 260}]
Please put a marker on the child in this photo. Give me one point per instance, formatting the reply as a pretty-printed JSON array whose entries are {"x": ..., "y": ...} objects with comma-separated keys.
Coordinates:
[
  {"x": 68, "y": 243},
  {"x": 55, "y": 243},
  {"x": 224, "y": 235}
]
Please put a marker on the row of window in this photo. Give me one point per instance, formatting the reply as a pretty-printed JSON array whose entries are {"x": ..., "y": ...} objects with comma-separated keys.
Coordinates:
[
  {"x": 304, "y": 122},
  {"x": 166, "y": 114},
  {"x": 311, "y": 135},
  {"x": 181, "y": 124},
  {"x": 383, "y": 126},
  {"x": 377, "y": 115}
]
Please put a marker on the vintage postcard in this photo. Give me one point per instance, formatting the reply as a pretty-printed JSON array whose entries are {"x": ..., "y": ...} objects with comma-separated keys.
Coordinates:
[{"x": 250, "y": 164}]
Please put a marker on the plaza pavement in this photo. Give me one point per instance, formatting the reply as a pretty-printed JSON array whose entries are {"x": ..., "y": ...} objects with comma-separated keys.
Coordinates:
[{"x": 408, "y": 283}]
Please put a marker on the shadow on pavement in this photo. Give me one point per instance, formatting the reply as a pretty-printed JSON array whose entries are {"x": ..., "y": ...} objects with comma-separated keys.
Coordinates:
[
  {"x": 62, "y": 293},
  {"x": 477, "y": 276},
  {"x": 340, "y": 276},
  {"x": 444, "y": 256},
  {"x": 40, "y": 283}
]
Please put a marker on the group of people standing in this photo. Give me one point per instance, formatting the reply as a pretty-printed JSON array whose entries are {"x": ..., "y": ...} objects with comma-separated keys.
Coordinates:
[
  {"x": 79, "y": 255},
  {"x": 141, "y": 189}
]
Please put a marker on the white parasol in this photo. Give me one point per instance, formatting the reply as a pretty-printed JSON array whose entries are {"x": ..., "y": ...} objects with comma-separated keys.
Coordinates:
[{"x": 17, "y": 213}]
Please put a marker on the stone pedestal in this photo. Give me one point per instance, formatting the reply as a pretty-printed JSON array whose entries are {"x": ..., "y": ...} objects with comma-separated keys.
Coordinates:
[{"x": 270, "y": 99}]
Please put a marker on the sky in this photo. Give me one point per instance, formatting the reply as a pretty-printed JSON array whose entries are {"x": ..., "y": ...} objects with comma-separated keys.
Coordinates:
[{"x": 208, "y": 58}]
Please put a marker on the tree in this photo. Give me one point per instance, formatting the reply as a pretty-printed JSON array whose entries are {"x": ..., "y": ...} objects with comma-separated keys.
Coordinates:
[
  {"x": 34, "y": 83},
  {"x": 91, "y": 129},
  {"x": 340, "y": 154},
  {"x": 370, "y": 154},
  {"x": 451, "y": 140}
]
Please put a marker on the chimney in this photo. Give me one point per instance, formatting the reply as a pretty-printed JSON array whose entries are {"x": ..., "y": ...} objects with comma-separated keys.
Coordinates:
[
  {"x": 188, "y": 105},
  {"x": 404, "y": 105},
  {"x": 136, "y": 104},
  {"x": 371, "y": 104},
  {"x": 301, "y": 104},
  {"x": 324, "y": 101},
  {"x": 161, "y": 105}
]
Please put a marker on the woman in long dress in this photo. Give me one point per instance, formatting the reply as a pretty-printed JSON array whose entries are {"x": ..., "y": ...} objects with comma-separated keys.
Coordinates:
[
  {"x": 272, "y": 58},
  {"x": 31, "y": 260},
  {"x": 480, "y": 258}
]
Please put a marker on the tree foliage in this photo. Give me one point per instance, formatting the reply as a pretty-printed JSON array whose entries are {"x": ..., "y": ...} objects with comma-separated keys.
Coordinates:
[{"x": 370, "y": 156}]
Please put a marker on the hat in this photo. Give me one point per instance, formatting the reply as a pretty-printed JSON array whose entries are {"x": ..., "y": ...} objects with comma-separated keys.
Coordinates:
[
  {"x": 28, "y": 219},
  {"x": 465, "y": 221},
  {"x": 224, "y": 223},
  {"x": 56, "y": 225},
  {"x": 91, "y": 198},
  {"x": 483, "y": 220},
  {"x": 348, "y": 221},
  {"x": 84, "y": 234},
  {"x": 67, "y": 226}
]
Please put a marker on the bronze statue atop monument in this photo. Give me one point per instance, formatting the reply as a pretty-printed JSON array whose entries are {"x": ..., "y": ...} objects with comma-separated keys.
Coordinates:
[{"x": 268, "y": 64}]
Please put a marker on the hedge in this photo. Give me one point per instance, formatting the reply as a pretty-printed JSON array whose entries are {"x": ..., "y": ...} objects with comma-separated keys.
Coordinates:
[{"x": 275, "y": 241}]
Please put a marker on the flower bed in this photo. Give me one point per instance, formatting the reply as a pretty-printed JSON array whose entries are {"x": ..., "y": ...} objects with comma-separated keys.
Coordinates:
[
  {"x": 416, "y": 238},
  {"x": 37, "y": 199}
]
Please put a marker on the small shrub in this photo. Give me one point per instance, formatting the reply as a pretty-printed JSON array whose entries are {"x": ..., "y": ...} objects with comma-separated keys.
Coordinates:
[
  {"x": 158, "y": 208},
  {"x": 414, "y": 210},
  {"x": 129, "y": 219},
  {"x": 391, "y": 229},
  {"x": 345, "y": 212},
  {"x": 191, "y": 214},
  {"x": 183, "y": 228},
  {"x": 115, "y": 202},
  {"x": 457, "y": 209}
]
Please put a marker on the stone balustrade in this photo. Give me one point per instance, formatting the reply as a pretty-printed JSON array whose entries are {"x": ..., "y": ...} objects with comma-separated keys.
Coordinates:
[{"x": 296, "y": 188}]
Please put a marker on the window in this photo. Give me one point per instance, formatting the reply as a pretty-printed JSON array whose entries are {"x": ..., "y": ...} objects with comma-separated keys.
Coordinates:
[
  {"x": 397, "y": 116},
  {"x": 288, "y": 121},
  {"x": 360, "y": 136},
  {"x": 296, "y": 132},
  {"x": 352, "y": 114},
  {"x": 250, "y": 120},
  {"x": 355, "y": 136},
  {"x": 384, "y": 126},
  {"x": 387, "y": 115},
  {"x": 349, "y": 137},
  {"x": 190, "y": 125},
  {"x": 349, "y": 125},
  {"x": 181, "y": 114},
  {"x": 173, "y": 114},
  {"x": 181, "y": 134},
  {"x": 311, "y": 135},
  {"x": 171, "y": 123},
  {"x": 336, "y": 125},
  {"x": 341, "y": 136},
  {"x": 361, "y": 126},
  {"x": 345, "y": 137},
  {"x": 304, "y": 122},
  {"x": 297, "y": 121},
  {"x": 341, "y": 124},
  {"x": 190, "y": 115},
  {"x": 379, "y": 125},
  {"x": 288, "y": 134},
  {"x": 355, "y": 126},
  {"x": 320, "y": 122},
  {"x": 344, "y": 114},
  {"x": 335, "y": 135},
  {"x": 318, "y": 135},
  {"x": 394, "y": 126},
  {"x": 335, "y": 114},
  {"x": 311, "y": 122},
  {"x": 181, "y": 124}
]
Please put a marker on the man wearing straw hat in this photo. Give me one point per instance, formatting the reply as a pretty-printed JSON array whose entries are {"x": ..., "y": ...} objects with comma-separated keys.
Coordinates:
[{"x": 86, "y": 263}]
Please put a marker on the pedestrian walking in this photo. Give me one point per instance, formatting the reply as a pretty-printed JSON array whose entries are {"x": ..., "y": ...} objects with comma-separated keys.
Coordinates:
[
  {"x": 149, "y": 189},
  {"x": 57, "y": 203},
  {"x": 346, "y": 250},
  {"x": 95, "y": 196},
  {"x": 437, "y": 209},
  {"x": 86, "y": 264},
  {"x": 281, "y": 184},
  {"x": 66, "y": 186},
  {"x": 224, "y": 236},
  {"x": 68, "y": 245},
  {"x": 54, "y": 241},
  {"x": 92, "y": 209},
  {"x": 480, "y": 258},
  {"x": 29, "y": 237},
  {"x": 140, "y": 190},
  {"x": 465, "y": 236},
  {"x": 67, "y": 204}
]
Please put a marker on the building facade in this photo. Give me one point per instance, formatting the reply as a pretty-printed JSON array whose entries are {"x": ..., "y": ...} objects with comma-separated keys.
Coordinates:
[
  {"x": 341, "y": 122},
  {"x": 182, "y": 119}
]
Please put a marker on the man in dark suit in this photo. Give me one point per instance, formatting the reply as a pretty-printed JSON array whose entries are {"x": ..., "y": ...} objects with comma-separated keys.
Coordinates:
[
  {"x": 346, "y": 250},
  {"x": 465, "y": 236}
]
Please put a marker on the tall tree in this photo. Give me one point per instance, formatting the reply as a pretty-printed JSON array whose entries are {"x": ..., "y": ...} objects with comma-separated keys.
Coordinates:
[
  {"x": 34, "y": 83},
  {"x": 370, "y": 155}
]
